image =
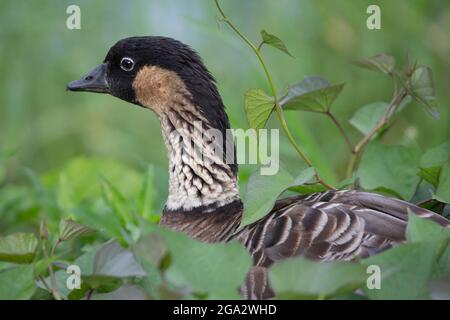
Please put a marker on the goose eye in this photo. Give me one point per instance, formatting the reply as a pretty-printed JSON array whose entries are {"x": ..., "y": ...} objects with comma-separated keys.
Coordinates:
[{"x": 127, "y": 64}]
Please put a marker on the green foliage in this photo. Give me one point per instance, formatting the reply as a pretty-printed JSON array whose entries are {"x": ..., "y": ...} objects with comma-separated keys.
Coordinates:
[
  {"x": 17, "y": 283},
  {"x": 443, "y": 189},
  {"x": 300, "y": 278},
  {"x": 258, "y": 107},
  {"x": 199, "y": 266},
  {"x": 108, "y": 269},
  {"x": 274, "y": 41},
  {"x": 421, "y": 87},
  {"x": 406, "y": 268},
  {"x": 18, "y": 248},
  {"x": 70, "y": 229},
  {"x": 432, "y": 161},
  {"x": 381, "y": 62},
  {"x": 311, "y": 94},
  {"x": 147, "y": 197},
  {"x": 262, "y": 191},
  {"x": 366, "y": 117},
  {"x": 390, "y": 168},
  {"x": 129, "y": 255}
]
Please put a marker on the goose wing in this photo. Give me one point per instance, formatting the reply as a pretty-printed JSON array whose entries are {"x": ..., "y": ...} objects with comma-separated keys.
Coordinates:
[
  {"x": 330, "y": 226},
  {"x": 325, "y": 226}
]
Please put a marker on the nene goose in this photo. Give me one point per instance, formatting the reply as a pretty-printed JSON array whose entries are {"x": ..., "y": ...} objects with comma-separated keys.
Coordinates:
[{"x": 169, "y": 78}]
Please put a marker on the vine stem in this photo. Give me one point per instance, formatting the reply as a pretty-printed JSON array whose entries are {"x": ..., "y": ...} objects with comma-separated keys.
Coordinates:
[
  {"x": 357, "y": 150},
  {"x": 341, "y": 130},
  {"x": 274, "y": 94},
  {"x": 54, "y": 286}
]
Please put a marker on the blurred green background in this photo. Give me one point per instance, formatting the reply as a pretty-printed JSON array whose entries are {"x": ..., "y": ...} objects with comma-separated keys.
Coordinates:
[{"x": 49, "y": 125}]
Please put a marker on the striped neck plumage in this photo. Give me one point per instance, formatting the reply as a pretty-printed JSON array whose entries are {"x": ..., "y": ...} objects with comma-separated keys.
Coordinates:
[
  {"x": 200, "y": 179},
  {"x": 202, "y": 169}
]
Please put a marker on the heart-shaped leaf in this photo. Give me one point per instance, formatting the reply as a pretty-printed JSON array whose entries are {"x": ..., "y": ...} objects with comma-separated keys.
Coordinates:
[
  {"x": 214, "y": 269},
  {"x": 366, "y": 117},
  {"x": 258, "y": 106},
  {"x": 423, "y": 230},
  {"x": 18, "y": 248},
  {"x": 262, "y": 191},
  {"x": 112, "y": 260},
  {"x": 391, "y": 168},
  {"x": 312, "y": 94},
  {"x": 381, "y": 62},
  {"x": 421, "y": 85},
  {"x": 69, "y": 229},
  {"x": 316, "y": 279},
  {"x": 274, "y": 41},
  {"x": 443, "y": 188},
  {"x": 404, "y": 270},
  {"x": 17, "y": 283},
  {"x": 432, "y": 161}
]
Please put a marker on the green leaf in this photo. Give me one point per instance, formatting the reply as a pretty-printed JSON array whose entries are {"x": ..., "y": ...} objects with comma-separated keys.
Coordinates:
[
  {"x": 308, "y": 188},
  {"x": 99, "y": 216},
  {"x": 313, "y": 94},
  {"x": 18, "y": 248},
  {"x": 434, "y": 241},
  {"x": 41, "y": 266},
  {"x": 390, "y": 167},
  {"x": 303, "y": 177},
  {"x": 262, "y": 191},
  {"x": 443, "y": 189},
  {"x": 381, "y": 62},
  {"x": 17, "y": 283},
  {"x": 274, "y": 41},
  {"x": 422, "y": 230},
  {"x": 104, "y": 269},
  {"x": 152, "y": 249},
  {"x": 111, "y": 260},
  {"x": 147, "y": 197},
  {"x": 422, "y": 89},
  {"x": 431, "y": 175},
  {"x": 69, "y": 229},
  {"x": 77, "y": 180},
  {"x": 317, "y": 187},
  {"x": 366, "y": 117},
  {"x": 432, "y": 161},
  {"x": 258, "y": 106},
  {"x": 302, "y": 278},
  {"x": 405, "y": 271},
  {"x": 116, "y": 201},
  {"x": 217, "y": 269},
  {"x": 436, "y": 156}
]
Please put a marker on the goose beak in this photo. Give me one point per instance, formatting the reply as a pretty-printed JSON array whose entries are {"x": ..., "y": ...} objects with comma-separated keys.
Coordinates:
[{"x": 94, "y": 81}]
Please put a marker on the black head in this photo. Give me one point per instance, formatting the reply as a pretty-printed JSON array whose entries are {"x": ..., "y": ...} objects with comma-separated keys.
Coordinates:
[
  {"x": 150, "y": 71},
  {"x": 117, "y": 74}
]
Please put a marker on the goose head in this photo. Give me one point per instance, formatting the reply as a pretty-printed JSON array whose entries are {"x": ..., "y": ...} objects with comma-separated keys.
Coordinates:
[{"x": 169, "y": 78}]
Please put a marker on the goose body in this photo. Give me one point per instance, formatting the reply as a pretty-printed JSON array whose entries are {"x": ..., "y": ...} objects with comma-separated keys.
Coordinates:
[{"x": 170, "y": 79}]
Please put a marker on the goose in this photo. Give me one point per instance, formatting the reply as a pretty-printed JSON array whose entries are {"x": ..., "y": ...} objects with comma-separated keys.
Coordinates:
[{"x": 169, "y": 78}]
